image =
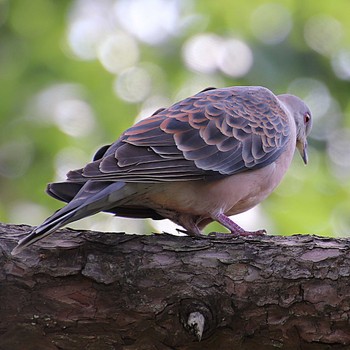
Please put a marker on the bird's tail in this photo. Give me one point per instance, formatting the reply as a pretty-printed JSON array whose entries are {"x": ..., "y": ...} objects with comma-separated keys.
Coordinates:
[{"x": 91, "y": 199}]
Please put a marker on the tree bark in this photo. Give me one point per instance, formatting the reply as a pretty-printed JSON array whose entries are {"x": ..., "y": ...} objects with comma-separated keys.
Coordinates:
[{"x": 93, "y": 290}]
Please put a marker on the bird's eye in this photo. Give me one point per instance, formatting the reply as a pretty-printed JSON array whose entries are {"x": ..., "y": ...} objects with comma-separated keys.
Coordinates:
[{"x": 307, "y": 117}]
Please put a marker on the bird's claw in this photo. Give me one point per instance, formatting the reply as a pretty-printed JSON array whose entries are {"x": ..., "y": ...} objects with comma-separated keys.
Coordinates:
[
  {"x": 251, "y": 233},
  {"x": 223, "y": 235},
  {"x": 235, "y": 234}
]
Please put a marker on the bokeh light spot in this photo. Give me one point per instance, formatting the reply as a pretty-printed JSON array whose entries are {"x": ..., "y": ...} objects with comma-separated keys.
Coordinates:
[
  {"x": 341, "y": 64},
  {"x": 63, "y": 105},
  {"x": 271, "y": 23},
  {"x": 46, "y": 100},
  {"x": 151, "y": 21},
  {"x": 323, "y": 34},
  {"x": 118, "y": 51},
  {"x": 67, "y": 159},
  {"x": 133, "y": 84},
  {"x": 89, "y": 23},
  {"x": 206, "y": 53},
  {"x": 200, "y": 52},
  {"x": 235, "y": 58},
  {"x": 74, "y": 117},
  {"x": 315, "y": 93}
]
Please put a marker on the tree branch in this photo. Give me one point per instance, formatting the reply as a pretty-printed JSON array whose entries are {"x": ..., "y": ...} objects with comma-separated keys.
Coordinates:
[{"x": 92, "y": 290}]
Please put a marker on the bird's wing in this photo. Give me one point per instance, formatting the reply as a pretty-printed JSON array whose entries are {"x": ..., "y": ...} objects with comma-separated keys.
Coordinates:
[{"x": 215, "y": 133}]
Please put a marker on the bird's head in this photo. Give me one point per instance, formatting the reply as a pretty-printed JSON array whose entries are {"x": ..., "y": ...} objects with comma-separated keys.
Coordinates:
[{"x": 303, "y": 121}]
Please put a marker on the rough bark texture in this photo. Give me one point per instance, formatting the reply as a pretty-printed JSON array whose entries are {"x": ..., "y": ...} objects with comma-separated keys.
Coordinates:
[{"x": 90, "y": 290}]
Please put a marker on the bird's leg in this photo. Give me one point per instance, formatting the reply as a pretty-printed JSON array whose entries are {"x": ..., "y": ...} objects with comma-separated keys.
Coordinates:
[
  {"x": 235, "y": 229},
  {"x": 191, "y": 227},
  {"x": 188, "y": 222}
]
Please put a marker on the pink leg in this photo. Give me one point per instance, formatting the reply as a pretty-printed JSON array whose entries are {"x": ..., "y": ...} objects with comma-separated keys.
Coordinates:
[
  {"x": 234, "y": 228},
  {"x": 190, "y": 224}
]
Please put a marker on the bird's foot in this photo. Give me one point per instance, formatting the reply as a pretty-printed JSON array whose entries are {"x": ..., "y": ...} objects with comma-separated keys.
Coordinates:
[
  {"x": 236, "y": 230},
  {"x": 225, "y": 235},
  {"x": 235, "y": 234},
  {"x": 250, "y": 233},
  {"x": 221, "y": 235},
  {"x": 204, "y": 236}
]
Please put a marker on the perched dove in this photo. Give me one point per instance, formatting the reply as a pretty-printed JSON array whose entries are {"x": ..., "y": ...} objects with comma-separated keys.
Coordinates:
[{"x": 212, "y": 155}]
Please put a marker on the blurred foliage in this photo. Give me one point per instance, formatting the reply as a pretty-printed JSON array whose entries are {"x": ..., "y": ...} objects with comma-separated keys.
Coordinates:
[{"x": 75, "y": 74}]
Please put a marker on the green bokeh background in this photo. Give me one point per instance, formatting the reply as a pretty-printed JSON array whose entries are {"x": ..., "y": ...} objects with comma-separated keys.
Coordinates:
[{"x": 298, "y": 46}]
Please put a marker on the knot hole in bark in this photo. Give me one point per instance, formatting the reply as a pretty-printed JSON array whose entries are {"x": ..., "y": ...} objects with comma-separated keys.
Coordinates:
[{"x": 197, "y": 317}]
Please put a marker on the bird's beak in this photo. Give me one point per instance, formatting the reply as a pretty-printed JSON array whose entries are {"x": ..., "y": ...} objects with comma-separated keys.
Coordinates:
[{"x": 302, "y": 148}]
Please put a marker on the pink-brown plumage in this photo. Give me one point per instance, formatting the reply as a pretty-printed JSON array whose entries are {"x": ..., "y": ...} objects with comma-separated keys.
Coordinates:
[{"x": 215, "y": 154}]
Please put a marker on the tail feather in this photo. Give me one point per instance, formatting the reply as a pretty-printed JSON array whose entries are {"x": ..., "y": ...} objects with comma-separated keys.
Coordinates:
[
  {"x": 91, "y": 199},
  {"x": 64, "y": 191}
]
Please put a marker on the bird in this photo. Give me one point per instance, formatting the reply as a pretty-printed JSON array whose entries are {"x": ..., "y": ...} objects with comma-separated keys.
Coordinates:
[{"x": 215, "y": 154}]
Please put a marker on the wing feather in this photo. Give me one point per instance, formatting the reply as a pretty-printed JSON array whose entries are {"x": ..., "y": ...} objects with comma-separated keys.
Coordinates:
[{"x": 215, "y": 133}]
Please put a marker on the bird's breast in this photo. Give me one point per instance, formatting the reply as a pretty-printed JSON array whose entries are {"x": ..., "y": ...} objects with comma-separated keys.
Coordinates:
[
  {"x": 231, "y": 195},
  {"x": 246, "y": 190}
]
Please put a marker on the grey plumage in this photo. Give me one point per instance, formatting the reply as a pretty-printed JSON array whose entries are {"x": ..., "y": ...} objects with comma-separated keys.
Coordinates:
[{"x": 193, "y": 148}]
